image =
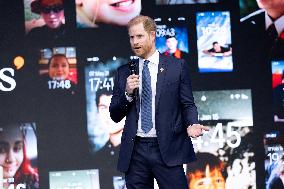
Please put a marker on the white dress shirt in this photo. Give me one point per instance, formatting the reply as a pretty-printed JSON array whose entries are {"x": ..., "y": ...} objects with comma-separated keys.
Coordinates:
[
  {"x": 279, "y": 23},
  {"x": 153, "y": 68}
]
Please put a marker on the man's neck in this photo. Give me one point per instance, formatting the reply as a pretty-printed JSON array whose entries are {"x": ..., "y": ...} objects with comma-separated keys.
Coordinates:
[
  {"x": 173, "y": 50},
  {"x": 153, "y": 50},
  {"x": 275, "y": 14}
]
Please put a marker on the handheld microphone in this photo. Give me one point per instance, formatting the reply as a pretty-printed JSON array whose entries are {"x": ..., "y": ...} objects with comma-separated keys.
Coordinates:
[{"x": 132, "y": 67}]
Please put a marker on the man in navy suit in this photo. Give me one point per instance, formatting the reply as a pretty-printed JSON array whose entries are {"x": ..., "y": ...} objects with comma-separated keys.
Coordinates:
[{"x": 160, "y": 114}]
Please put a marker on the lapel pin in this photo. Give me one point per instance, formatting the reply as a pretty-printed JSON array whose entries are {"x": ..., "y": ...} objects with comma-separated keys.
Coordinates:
[{"x": 162, "y": 69}]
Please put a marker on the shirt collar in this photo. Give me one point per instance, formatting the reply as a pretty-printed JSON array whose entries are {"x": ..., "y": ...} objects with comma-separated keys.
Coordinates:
[
  {"x": 153, "y": 59},
  {"x": 279, "y": 23}
]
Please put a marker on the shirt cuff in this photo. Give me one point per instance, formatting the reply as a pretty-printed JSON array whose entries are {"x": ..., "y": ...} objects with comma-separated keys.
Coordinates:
[{"x": 129, "y": 98}]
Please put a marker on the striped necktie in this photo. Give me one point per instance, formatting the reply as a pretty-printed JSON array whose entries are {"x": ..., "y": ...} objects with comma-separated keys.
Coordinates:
[{"x": 146, "y": 99}]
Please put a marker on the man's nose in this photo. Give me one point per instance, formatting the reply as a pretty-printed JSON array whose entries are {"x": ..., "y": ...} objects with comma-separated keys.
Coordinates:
[{"x": 135, "y": 41}]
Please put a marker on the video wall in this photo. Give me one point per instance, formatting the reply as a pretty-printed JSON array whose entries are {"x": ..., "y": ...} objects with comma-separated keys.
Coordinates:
[{"x": 58, "y": 61}]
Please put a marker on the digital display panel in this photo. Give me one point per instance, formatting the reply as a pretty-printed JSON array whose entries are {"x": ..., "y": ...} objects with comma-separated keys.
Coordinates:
[
  {"x": 214, "y": 42},
  {"x": 44, "y": 17},
  {"x": 74, "y": 179},
  {"x": 224, "y": 153},
  {"x": 274, "y": 159},
  {"x": 278, "y": 90},
  {"x": 58, "y": 68},
  {"x": 172, "y": 37},
  {"x": 104, "y": 135},
  {"x": 96, "y": 14},
  {"x": 99, "y": 82},
  {"x": 19, "y": 163}
]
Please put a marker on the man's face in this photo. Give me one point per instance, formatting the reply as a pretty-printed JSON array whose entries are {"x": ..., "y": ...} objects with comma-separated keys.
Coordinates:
[
  {"x": 217, "y": 47},
  {"x": 59, "y": 68},
  {"x": 270, "y": 4},
  {"x": 142, "y": 43},
  {"x": 107, "y": 123},
  {"x": 171, "y": 43},
  {"x": 52, "y": 14},
  {"x": 209, "y": 179},
  {"x": 11, "y": 150}
]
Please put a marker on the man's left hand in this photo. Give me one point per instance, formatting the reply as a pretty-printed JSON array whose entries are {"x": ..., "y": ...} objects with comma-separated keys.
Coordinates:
[{"x": 196, "y": 130}]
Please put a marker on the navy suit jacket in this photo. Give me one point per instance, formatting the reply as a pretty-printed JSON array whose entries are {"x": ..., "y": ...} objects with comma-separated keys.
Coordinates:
[{"x": 174, "y": 112}]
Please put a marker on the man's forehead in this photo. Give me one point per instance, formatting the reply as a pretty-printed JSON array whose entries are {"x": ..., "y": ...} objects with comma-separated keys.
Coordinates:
[{"x": 137, "y": 27}]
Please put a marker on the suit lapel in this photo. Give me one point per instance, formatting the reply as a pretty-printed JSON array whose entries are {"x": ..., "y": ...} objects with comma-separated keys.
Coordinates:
[
  {"x": 162, "y": 70},
  {"x": 138, "y": 96}
]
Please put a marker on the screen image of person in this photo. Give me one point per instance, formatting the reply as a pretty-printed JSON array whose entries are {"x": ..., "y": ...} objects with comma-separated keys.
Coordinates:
[
  {"x": 58, "y": 67},
  {"x": 17, "y": 167},
  {"x": 92, "y": 13},
  {"x": 278, "y": 181},
  {"x": 213, "y": 35},
  {"x": 218, "y": 50},
  {"x": 278, "y": 101},
  {"x": 108, "y": 154},
  {"x": 103, "y": 100},
  {"x": 52, "y": 13},
  {"x": 207, "y": 172},
  {"x": 274, "y": 171},
  {"x": 172, "y": 48},
  {"x": 156, "y": 138},
  {"x": 264, "y": 28}
]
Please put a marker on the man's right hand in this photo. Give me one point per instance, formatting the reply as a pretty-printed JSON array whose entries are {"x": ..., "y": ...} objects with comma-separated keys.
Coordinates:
[{"x": 132, "y": 83}]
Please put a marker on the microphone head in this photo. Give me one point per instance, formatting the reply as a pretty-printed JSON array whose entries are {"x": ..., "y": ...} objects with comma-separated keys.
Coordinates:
[{"x": 132, "y": 66}]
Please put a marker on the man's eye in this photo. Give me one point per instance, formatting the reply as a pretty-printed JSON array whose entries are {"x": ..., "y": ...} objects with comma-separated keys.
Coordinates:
[
  {"x": 201, "y": 183},
  {"x": 218, "y": 180}
]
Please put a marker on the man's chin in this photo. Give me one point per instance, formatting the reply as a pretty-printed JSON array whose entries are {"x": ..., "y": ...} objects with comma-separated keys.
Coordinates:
[{"x": 140, "y": 55}]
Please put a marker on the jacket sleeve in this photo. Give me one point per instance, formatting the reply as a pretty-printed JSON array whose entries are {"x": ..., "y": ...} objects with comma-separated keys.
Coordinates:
[
  {"x": 189, "y": 110},
  {"x": 119, "y": 106}
]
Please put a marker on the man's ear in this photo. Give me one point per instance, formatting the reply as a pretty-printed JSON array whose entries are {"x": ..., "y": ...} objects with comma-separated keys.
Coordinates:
[{"x": 153, "y": 35}]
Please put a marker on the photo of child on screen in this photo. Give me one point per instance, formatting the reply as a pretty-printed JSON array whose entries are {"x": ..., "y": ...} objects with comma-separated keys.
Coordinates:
[
  {"x": 218, "y": 50},
  {"x": 17, "y": 168},
  {"x": 207, "y": 171},
  {"x": 58, "y": 67},
  {"x": 172, "y": 48},
  {"x": 52, "y": 13},
  {"x": 108, "y": 154},
  {"x": 92, "y": 13},
  {"x": 112, "y": 129}
]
